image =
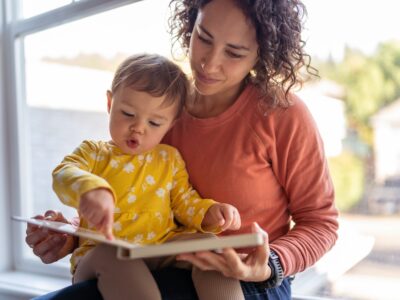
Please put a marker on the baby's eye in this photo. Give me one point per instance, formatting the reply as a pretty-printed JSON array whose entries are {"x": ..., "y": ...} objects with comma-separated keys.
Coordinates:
[
  {"x": 155, "y": 124},
  {"x": 127, "y": 114}
]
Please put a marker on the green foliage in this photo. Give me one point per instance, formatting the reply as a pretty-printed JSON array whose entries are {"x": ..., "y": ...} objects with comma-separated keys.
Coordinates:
[
  {"x": 370, "y": 83},
  {"x": 347, "y": 171}
]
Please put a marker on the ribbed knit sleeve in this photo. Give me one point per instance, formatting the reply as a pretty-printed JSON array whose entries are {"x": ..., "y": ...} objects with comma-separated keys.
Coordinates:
[{"x": 299, "y": 164}]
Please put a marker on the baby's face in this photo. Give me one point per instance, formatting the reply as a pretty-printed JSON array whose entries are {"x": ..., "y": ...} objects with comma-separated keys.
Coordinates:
[{"x": 138, "y": 120}]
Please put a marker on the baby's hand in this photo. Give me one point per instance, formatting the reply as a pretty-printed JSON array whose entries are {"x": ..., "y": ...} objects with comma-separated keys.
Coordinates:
[
  {"x": 97, "y": 207},
  {"x": 222, "y": 215}
]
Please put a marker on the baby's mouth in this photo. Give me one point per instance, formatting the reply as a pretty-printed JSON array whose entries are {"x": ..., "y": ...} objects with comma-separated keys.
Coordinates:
[{"x": 132, "y": 143}]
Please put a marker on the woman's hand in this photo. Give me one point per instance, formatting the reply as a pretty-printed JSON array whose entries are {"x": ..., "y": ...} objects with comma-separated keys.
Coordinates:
[
  {"x": 49, "y": 245},
  {"x": 252, "y": 267}
]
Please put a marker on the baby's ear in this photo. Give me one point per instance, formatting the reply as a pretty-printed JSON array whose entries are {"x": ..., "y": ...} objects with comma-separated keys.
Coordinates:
[{"x": 109, "y": 100}]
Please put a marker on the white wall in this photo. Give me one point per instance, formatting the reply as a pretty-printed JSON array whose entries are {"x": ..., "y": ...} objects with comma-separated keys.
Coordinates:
[
  {"x": 387, "y": 150},
  {"x": 386, "y": 124}
]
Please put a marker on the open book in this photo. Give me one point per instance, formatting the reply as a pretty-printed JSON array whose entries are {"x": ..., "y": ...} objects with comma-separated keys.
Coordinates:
[{"x": 128, "y": 250}]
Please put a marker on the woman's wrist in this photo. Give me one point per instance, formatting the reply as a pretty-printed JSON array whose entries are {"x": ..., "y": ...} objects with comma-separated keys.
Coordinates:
[{"x": 276, "y": 272}]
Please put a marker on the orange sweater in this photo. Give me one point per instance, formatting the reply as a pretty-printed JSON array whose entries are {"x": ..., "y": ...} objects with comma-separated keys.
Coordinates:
[{"x": 270, "y": 164}]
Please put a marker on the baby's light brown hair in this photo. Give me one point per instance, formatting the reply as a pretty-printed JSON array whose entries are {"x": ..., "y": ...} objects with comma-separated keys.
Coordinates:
[{"x": 155, "y": 75}]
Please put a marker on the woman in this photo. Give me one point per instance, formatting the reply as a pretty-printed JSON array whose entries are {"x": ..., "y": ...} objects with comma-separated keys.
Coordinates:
[{"x": 247, "y": 140}]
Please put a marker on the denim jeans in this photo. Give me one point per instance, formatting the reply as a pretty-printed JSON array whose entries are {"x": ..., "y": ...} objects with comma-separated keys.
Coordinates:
[{"x": 174, "y": 284}]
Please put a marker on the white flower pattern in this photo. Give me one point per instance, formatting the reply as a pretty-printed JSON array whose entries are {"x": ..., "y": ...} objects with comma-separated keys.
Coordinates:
[
  {"x": 160, "y": 192},
  {"x": 159, "y": 216},
  {"x": 129, "y": 168},
  {"x": 164, "y": 154},
  {"x": 138, "y": 238},
  {"x": 117, "y": 226},
  {"x": 75, "y": 186},
  {"x": 114, "y": 163},
  {"x": 151, "y": 235},
  {"x": 150, "y": 179},
  {"x": 78, "y": 172},
  {"x": 66, "y": 198},
  {"x": 131, "y": 198},
  {"x": 190, "y": 211}
]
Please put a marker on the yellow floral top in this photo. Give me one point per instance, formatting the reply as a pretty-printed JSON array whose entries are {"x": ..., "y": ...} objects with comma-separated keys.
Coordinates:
[{"x": 151, "y": 191}]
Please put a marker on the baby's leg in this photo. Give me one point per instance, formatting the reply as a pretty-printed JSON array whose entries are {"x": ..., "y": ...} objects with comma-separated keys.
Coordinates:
[
  {"x": 117, "y": 279},
  {"x": 212, "y": 285}
]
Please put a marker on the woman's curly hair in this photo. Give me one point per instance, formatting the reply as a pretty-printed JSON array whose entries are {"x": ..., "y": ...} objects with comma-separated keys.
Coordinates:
[{"x": 278, "y": 25}]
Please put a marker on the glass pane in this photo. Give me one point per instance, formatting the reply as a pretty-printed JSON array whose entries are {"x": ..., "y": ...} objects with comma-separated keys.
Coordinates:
[
  {"x": 356, "y": 104},
  {"x": 68, "y": 70}
]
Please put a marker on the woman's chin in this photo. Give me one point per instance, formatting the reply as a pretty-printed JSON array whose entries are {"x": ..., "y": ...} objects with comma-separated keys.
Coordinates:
[{"x": 204, "y": 90}]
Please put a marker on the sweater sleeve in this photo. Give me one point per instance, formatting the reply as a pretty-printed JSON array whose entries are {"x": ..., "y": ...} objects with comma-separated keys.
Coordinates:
[
  {"x": 299, "y": 163},
  {"x": 74, "y": 177},
  {"x": 188, "y": 207}
]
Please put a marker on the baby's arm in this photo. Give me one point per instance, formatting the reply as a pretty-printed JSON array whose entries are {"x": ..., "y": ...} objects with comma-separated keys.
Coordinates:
[
  {"x": 77, "y": 185},
  {"x": 193, "y": 211},
  {"x": 97, "y": 207}
]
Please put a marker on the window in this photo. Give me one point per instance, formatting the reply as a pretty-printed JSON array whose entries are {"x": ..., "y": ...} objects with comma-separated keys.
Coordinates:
[
  {"x": 57, "y": 61},
  {"x": 356, "y": 104},
  {"x": 65, "y": 56}
]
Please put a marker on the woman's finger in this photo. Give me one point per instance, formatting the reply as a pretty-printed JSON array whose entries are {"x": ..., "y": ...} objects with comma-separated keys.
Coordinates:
[
  {"x": 195, "y": 261},
  {"x": 236, "y": 267},
  {"x": 262, "y": 250},
  {"x": 35, "y": 237},
  {"x": 207, "y": 260},
  {"x": 48, "y": 249},
  {"x": 56, "y": 216},
  {"x": 51, "y": 215},
  {"x": 256, "y": 262},
  {"x": 30, "y": 227}
]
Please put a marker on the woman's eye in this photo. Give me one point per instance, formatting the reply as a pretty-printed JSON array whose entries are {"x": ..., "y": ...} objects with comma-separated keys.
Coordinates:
[
  {"x": 152, "y": 123},
  {"x": 234, "y": 55},
  {"x": 204, "y": 40},
  {"x": 127, "y": 114}
]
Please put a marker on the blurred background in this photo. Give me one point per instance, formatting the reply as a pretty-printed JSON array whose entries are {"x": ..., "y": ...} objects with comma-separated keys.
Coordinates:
[{"x": 354, "y": 44}]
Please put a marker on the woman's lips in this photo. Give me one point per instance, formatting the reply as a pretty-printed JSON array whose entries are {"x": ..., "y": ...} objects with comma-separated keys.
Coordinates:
[{"x": 204, "y": 79}]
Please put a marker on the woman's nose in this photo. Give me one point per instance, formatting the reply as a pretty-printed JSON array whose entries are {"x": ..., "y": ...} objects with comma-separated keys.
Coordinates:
[{"x": 211, "y": 62}]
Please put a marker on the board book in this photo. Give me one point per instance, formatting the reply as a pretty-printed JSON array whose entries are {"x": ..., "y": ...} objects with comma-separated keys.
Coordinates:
[{"x": 128, "y": 250}]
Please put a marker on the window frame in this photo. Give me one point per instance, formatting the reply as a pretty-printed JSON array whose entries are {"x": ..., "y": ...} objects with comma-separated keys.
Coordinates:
[{"x": 14, "y": 151}]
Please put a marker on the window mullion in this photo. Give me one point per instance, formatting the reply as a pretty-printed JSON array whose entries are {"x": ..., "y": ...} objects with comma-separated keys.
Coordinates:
[
  {"x": 65, "y": 14},
  {"x": 16, "y": 120}
]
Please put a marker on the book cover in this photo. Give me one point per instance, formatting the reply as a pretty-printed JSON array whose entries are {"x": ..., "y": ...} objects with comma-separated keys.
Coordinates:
[{"x": 128, "y": 250}]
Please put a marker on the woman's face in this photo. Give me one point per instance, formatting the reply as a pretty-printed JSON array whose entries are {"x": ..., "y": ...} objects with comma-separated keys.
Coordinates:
[{"x": 223, "y": 48}]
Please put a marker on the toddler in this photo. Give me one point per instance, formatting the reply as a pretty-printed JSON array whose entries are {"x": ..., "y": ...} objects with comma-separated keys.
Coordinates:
[{"x": 134, "y": 188}]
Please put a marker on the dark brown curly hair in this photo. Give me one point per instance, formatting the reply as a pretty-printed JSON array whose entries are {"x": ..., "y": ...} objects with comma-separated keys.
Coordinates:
[{"x": 278, "y": 25}]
